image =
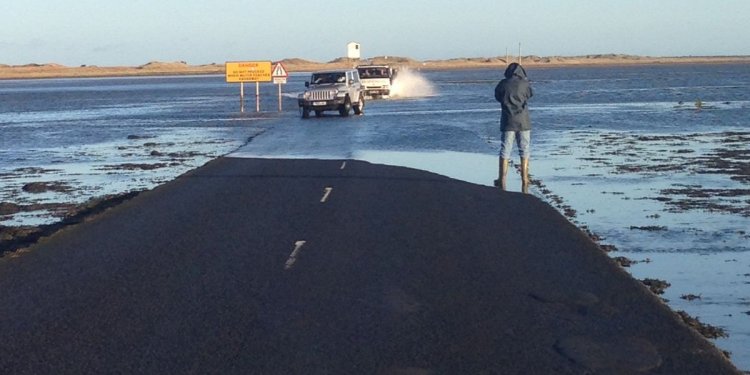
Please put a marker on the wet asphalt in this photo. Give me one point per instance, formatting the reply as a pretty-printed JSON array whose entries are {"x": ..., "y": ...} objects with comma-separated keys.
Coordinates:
[{"x": 263, "y": 266}]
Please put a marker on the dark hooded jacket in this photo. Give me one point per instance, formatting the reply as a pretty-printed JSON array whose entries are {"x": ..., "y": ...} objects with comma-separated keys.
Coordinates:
[{"x": 513, "y": 93}]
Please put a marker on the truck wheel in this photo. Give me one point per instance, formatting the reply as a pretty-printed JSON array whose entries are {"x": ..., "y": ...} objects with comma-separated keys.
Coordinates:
[
  {"x": 305, "y": 112},
  {"x": 359, "y": 108},
  {"x": 346, "y": 107}
]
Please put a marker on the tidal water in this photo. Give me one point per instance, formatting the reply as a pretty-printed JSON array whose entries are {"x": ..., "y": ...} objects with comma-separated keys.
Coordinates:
[{"x": 652, "y": 159}]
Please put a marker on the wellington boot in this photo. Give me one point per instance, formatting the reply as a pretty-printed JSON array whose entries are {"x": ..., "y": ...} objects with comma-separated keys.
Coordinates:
[
  {"x": 502, "y": 174},
  {"x": 525, "y": 181}
]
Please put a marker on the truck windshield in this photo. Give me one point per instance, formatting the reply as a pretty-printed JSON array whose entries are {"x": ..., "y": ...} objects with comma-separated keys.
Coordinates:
[
  {"x": 373, "y": 73},
  {"x": 323, "y": 78}
]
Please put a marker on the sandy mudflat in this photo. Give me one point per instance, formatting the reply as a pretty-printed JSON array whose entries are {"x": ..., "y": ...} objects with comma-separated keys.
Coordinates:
[
  {"x": 52, "y": 70},
  {"x": 61, "y": 71}
]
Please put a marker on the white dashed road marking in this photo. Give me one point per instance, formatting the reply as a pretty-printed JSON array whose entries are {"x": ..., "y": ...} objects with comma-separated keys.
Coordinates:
[
  {"x": 293, "y": 256},
  {"x": 326, "y": 194},
  {"x": 343, "y": 165}
]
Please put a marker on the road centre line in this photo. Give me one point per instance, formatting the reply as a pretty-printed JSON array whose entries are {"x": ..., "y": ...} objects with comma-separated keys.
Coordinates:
[
  {"x": 343, "y": 165},
  {"x": 293, "y": 256},
  {"x": 326, "y": 194}
]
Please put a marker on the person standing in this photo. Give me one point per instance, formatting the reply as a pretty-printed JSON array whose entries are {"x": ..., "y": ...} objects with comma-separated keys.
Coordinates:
[{"x": 513, "y": 93}]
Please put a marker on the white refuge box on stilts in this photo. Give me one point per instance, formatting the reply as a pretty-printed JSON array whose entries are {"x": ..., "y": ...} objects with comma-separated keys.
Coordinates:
[{"x": 353, "y": 50}]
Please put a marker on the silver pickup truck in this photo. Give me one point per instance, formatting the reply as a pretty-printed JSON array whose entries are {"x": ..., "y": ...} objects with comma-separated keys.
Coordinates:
[{"x": 333, "y": 90}]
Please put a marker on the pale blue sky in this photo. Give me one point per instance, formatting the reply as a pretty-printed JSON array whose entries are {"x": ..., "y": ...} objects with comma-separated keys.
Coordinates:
[{"x": 133, "y": 32}]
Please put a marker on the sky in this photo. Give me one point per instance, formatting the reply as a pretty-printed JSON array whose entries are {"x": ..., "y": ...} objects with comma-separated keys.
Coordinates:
[{"x": 134, "y": 32}]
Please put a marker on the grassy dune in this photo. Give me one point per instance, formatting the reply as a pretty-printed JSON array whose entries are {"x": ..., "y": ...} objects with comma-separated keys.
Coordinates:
[{"x": 300, "y": 65}]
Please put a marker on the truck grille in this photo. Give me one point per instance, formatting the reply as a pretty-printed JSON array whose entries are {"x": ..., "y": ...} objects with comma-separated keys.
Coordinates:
[{"x": 321, "y": 95}]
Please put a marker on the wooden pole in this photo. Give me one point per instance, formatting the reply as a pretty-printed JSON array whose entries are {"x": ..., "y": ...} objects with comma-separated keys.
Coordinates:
[{"x": 519, "y": 53}]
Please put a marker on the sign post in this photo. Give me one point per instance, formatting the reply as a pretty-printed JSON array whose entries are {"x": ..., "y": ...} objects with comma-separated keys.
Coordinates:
[
  {"x": 242, "y": 96},
  {"x": 279, "y": 76},
  {"x": 248, "y": 71},
  {"x": 257, "y": 96}
]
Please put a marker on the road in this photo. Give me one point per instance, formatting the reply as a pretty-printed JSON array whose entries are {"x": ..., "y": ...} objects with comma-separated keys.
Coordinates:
[{"x": 332, "y": 266}]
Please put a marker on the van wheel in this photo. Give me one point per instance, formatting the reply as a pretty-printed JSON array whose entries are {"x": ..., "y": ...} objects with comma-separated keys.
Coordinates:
[
  {"x": 359, "y": 108},
  {"x": 305, "y": 112},
  {"x": 346, "y": 107}
]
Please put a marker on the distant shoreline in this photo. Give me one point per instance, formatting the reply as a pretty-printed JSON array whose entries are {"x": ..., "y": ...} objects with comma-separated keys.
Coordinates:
[{"x": 39, "y": 71}]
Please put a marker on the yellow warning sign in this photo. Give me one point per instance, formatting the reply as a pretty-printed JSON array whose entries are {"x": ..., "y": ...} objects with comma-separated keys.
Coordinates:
[{"x": 248, "y": 71}]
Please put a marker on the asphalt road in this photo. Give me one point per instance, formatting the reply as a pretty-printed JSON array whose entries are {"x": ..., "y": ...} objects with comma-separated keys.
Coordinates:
[{"x": 253, "y": 266}]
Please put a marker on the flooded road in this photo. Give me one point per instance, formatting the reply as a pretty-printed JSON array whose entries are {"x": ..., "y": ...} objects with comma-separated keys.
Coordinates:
[{"x": 623, "y": 152}]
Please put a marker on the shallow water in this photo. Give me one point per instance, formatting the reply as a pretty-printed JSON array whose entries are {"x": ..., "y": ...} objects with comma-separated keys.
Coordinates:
[
  {"x": 624, "y": 152},
  {"x": 110, "y": 135}
]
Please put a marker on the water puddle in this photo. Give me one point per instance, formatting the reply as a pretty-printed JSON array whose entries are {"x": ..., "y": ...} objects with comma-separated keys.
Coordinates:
[{"x": 45, "y": 182}]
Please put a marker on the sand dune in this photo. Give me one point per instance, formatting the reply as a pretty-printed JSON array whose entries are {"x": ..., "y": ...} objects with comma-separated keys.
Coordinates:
[{"x": 51, "y": 70}]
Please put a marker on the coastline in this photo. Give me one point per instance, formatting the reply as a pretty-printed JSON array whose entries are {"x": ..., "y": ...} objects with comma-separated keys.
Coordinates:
[{"x": 155, "y": 68}]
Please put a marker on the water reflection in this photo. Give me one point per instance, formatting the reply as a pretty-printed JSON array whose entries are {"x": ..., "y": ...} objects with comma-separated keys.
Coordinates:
[
  {"x": 480, "y": 169},
  {"x": 475, "y": 168}
]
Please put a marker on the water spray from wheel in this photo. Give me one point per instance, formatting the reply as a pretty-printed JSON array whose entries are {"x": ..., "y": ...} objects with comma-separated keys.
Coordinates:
[{"x": 411, "y": 84}]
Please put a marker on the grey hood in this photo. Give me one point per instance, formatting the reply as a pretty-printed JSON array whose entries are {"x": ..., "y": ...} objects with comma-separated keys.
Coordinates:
[{"x": 515, "y": 69}]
